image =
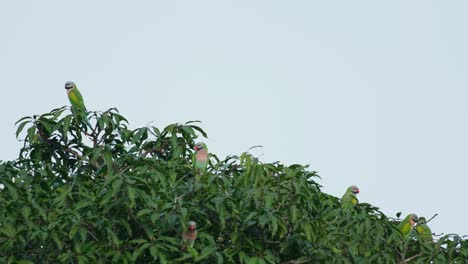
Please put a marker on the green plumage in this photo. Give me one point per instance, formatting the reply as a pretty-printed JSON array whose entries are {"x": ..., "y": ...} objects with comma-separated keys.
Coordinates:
[
  {"x": 349, "y": 199},
  {"x": 200, "y": 162},
  {"x": 423, "y": 230},
  {"x": 75, "y": 97},
  {"x": 407, "y": 225},
  {"x": 77, "y": 102},
  {"x": 201, "y": 156}
]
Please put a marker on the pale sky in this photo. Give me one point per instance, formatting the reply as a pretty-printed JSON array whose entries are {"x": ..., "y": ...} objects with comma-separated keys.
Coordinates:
[{"x": 371, "y": 93}]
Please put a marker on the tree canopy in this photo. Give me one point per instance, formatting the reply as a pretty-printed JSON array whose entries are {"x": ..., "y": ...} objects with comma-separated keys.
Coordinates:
[{"x": 105, "y": 193}]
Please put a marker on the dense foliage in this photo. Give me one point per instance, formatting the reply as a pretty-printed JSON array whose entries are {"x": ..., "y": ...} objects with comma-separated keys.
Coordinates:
[{"x": 104, "y": 193}]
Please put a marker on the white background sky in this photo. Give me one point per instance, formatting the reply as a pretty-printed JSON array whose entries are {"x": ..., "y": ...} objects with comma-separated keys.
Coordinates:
[{"x": 372, "y": 93}]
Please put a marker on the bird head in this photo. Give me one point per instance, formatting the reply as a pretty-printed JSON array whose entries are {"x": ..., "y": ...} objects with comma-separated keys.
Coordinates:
[
  {"x": 422, "y": 220},
  {"x": 69, "y": 85},
  {"x": 354, "y": 189},
  {"x": 192, "y": 226},
  {"x": 413, "y": 219},
  {"x": 200, "y": 146}
]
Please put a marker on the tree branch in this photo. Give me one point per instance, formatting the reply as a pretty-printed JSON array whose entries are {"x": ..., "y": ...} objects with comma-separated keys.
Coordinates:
[
  {"x": 413, "y": 257},
  {"x": 71, "y": 151},
  {"x": 427, "y": 221},
  {"x": 298, "y": 261}
]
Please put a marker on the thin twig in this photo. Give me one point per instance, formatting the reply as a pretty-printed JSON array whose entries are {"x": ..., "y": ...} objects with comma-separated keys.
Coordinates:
[
  {"x": 91, "y": 234},
  {"x": 297, "y": 261},
  {"x": 427, "y": 221},
  {"x": 413, "y": 257},
  {"x": 272, "y": 242},
  {"x": 69, "y": 150}
]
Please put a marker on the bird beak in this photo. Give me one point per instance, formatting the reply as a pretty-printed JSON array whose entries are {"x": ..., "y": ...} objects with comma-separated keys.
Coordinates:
[
  {"x": 68, "y": 85},
  {"x": 197, "y": 148}
]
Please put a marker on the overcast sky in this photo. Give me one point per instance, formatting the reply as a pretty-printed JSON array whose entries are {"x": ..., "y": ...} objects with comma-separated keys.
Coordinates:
[{"x": 371, "y": 93}]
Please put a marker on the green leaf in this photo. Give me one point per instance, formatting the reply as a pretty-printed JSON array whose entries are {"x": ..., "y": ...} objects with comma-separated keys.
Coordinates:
[
  {"x": 8, "y": 229},
  {"x": 21, "y": 127},
  {"x": 32, "y": 134},
  {"x": 193, "y": 121},
  {"x": 206, "y": 252},
  {"x": 66, "y": 125},
  {"x": 200, "y": 130},
  {"x": 22, "y": 119},
  {"x": 25, "y": 261},
  {"x": 48, "y": 125},
  {"x": 131, "y": 196},
  {"x": 12, "y": 190},
  {"x": 140, "y": 250},
  {"x": 26, "y": 212},
  {"x": 40, "y": 210},
  {"x": 293, "y": 213},
  {"x": 64, "y": 192},
  {"x": 57, "y": 241},
  {"x": 107, "y": 155},
  {"x": 144, "y": 212}
]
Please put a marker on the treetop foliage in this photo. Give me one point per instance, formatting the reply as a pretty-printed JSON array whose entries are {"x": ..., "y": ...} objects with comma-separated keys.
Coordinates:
[{"x": 105, "y": 193}]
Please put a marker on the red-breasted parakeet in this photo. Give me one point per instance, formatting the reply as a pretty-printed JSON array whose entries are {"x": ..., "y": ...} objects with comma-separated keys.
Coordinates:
[
  {"x": 189, "y": 236},
  {"x": 349, "y": 199},
  {"x": 423, "y": 230},
  {"x": 201, "y": 156},
  {"x": 75, "y": 97},
  {"x": 407, "y": 225},
  {"x": 77, "y": 102}
]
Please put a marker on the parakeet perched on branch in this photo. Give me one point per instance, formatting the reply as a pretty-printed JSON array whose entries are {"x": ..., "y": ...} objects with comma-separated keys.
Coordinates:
[
  {"x": 423, "y": 230},
  {"x": 201, "y": 157},
  {"x": 75, "y": 97},
  {"x": 407, "y": 225},
  {"x": 77, "y": 102},
  {"x": 349, "y": 199},
  {"x": 189, "y": 236}
]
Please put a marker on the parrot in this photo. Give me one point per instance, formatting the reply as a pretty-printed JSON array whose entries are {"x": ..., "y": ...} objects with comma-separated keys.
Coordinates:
[
  {"x": 407, "y": 225},
  {"x": 349, "y": 199},
  {"x": 201, "y": 156},
  {"x": 77, "y": 102},
  {"x": 189, "y": 236},
  {"x": 423, "y": 230},
  {"x": 75, "y": 97}
]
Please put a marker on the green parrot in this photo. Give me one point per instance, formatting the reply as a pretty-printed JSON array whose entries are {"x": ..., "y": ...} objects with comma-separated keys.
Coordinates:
[
  {"x": 423, "y": 230},
  {"x": 201, "y": 156},
  {"x": 189, "y": 236},
  {"x": 77, "y": 102},
  {"x": 407, "y": 225},
  {"x": 75, "y": 97},
  {"x": 349, "y": 199}
]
